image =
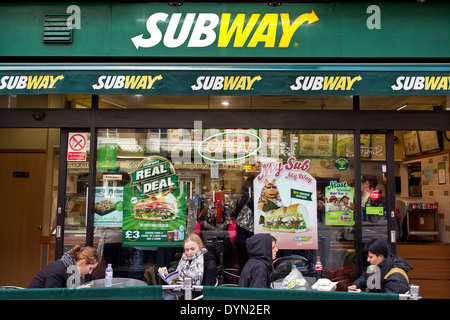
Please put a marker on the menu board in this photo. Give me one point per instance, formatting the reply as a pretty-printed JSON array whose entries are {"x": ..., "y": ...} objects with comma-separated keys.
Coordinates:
[
  {"x": 285, "y": 204},
  {"x": 154, "y": 206},
  {"x": 417, "y": 142},
  {"x": 411, "y": 143},
  {"x": 317, "y": 145},
  {"x": 428, "y": 141},
  {"x": 345, "y": 145}
]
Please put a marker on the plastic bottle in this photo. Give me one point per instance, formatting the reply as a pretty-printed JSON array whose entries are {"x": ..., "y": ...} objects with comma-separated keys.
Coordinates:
[
  {"x": 293, "y": 280},
  {"x": 108, "y": 276},
  {"x": 181, "y": 233},
  {"x": 318, "y": 268}
]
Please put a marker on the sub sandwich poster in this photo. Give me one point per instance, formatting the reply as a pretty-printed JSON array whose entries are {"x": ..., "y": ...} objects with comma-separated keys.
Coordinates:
[
  {"x": 154, "y": 206},
  {"x": 286, "y": 204}
]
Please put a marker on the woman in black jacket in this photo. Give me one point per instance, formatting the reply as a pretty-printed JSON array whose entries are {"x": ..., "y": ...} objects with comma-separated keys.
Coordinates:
[
  {"x": 81, "y": 260},
  {"x": 257, "y": 271},
  {"x": 386, "y": 273}
]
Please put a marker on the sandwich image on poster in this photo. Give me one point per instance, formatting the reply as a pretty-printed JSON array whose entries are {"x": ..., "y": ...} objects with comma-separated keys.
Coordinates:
[
  {"x": 286, "y": 204},
  {"x": 292, "y": 218},
  {"x": 162, "y": 207},
  {"x": 154, "y": 206}
]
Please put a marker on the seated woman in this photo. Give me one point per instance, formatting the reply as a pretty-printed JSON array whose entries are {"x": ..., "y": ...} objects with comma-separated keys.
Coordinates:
[
  {"x": 196, "y": 263},
  {"x": 392, "y": 270},
  {"x": 82, "y": 260}
]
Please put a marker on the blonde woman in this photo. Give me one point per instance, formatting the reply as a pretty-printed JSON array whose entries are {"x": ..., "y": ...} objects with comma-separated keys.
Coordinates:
[{"x": 196, "y": 263}]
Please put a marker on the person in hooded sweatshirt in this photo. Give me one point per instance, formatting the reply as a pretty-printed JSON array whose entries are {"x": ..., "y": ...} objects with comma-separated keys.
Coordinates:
[
  {"x": 393, "y": 269},
  {"x": 261, "y": 249}
]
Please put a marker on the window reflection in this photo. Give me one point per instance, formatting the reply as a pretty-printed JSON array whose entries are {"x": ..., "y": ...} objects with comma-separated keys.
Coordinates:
[{"x": 217, "y": 190}]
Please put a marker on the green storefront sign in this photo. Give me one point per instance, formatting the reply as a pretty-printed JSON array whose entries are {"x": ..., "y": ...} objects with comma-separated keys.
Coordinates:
[{"x": 291, "y": 30}]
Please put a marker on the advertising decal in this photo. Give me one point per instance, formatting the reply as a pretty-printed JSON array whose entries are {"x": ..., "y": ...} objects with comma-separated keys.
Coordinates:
[
  {"x": 154, "y": 206},
  {"x": 286, "y": 202},
  {"x": 108, "y": 206},
  {"x": 339, "y": 206}
]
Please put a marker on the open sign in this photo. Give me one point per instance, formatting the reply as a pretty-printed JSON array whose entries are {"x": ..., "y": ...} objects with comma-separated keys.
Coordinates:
[{"x": 229, "y": 146}]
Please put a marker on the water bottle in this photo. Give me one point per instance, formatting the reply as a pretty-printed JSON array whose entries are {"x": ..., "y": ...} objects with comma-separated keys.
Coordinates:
[
  {"x": 109, "y": 276},
  {"x": 181, "y": 233},
  {"x": 318, "y": 268}
]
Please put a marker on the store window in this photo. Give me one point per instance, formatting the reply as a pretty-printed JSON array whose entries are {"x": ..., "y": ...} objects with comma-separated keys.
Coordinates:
[
  {"x": 68, "y": 101},
  {"x": 124, "y": 101},
  {"x": 403, "y": 103},
  {"x": 210, "y": 174}
]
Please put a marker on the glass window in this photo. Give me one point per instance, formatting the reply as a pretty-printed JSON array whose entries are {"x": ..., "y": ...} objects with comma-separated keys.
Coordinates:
[
  {"x": 69, "y": 101},
  {"x": 124, "y": 101},
  {"x": 403, "y": 103},
  {"x": 76, "y": 191},
  {"x": 214, "y": 173}
]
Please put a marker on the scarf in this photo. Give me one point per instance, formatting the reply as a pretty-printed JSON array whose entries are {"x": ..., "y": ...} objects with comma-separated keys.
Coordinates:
[
  {"x": 192, "y": 267},
  {"x": 68, "y": 260}
]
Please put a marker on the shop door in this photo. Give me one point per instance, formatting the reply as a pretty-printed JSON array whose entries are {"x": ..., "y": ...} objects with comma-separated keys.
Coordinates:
[
  {"x": 377, "y": 190},
  {"x": 22, "y": 177}
]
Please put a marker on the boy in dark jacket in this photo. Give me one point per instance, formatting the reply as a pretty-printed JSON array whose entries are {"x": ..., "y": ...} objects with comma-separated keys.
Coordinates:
[
  {"x": 261, "y": 249},
  {"x": 391, "y": 271}
]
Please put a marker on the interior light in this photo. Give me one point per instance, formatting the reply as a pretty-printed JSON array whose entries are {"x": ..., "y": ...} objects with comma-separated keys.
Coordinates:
[{"x": 225, "y": 103}]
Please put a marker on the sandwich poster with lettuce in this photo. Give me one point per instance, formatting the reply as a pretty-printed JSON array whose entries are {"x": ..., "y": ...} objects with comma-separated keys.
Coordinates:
[
  {"x": 286, "y": 204},
  {"x": 339, "y": 205},
  {"x": 154, "y": 206}
]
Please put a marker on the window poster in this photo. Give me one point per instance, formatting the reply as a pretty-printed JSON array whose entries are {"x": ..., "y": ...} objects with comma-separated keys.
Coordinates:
[
  {"x": 286, "y": 204},
  {"x": 108, "y": 208},
  {"x": 154, "y": 206},
  {"x": 339, "y": 206}
]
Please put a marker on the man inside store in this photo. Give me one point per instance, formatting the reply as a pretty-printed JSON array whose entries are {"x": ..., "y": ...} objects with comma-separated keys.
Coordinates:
[{"x": 371, "y": 198}]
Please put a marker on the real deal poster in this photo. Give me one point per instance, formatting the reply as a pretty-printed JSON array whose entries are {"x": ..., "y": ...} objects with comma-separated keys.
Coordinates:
[
  {"x": 286, "y": 204},
  {"x": 154, "y": 206}
]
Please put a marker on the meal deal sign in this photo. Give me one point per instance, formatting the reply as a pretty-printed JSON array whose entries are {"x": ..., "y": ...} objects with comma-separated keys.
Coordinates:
[
  {"x": 154, "y": 202},
  {"x": 76, "y": 150},
  {"x": 286, "y": 204}
]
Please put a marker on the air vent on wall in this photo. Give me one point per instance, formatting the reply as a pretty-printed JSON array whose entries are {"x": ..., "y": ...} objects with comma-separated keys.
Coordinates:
[{"x": 56, "y": 29}]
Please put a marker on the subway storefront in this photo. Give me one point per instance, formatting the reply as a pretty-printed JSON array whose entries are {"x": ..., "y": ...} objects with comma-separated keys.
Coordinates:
[{"x": 128, "y": 126}]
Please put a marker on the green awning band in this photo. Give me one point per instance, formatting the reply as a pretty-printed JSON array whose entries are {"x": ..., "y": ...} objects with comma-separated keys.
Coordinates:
[{"x": 217, "y": 80}]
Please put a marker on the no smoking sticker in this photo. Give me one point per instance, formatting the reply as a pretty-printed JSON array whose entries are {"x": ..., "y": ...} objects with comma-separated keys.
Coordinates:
[{"x": 77, "y": 147}]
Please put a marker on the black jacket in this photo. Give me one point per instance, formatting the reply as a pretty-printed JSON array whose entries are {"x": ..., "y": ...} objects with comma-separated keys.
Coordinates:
[
  {"x": 395, "y": 282},
  {"x": 258, "y": 269},
  {"x": 52, "y": 276},
  {"x": 209, "y": 269}
]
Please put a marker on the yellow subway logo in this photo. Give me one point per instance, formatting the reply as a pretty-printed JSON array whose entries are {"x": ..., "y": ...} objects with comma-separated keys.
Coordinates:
[
  {"x": 247, "y": 31},
  {"x": 227, "y": 83},
  {"x": 333, "y": 83},
  {"x": 29, "y": 82},
  {"x": 433, "y": 83},
  {"x": 143, "y": 82}
]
